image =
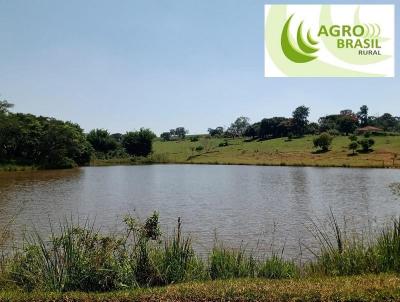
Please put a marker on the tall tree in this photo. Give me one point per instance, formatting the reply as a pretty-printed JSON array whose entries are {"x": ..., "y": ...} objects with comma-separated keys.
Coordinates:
[
  {"x": 5, "y": 106},
  {"x": 239, "y": 126},
  {"x": 363, "y": 115},
  {"x": 300, "y": 120}
]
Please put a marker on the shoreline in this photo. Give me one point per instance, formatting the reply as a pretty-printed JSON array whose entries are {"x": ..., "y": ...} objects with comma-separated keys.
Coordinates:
[{"x": 111, "y": 163}]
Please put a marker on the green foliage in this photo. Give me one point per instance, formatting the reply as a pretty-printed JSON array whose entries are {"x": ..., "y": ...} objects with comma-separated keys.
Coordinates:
[
  {"x": 228, "y": 264},
  {"x": 179, "y": 132},
  {"x": 333, "y": 132},
  {"x": 177, "y": 262},
  {"x": 239, "y": 126},
  {"x": 194, "y": 138},
  {"x": 166, "y": 136},
  {"x": 46, "y": 142},
  {"x": 353, "y": 146},
  {"x": 139, "y": 143},
  {"x": 300, "y": 120},
  {"x": 363, "y": 115},
  {"x": 273, "y": 127},
  {"x": 278, "y": 268},
  {"x": 78, "y": 259},
  {"x": 5, "y": 107},
  {"x": 102, "y": 141},
  {"x": 366, "y": 144},
  {"x": 223, "y": 144},
  {"x": 347, "y": 124},
  {"x": 199, "y": 148},
  {"x": 353, "y": 138},
  {"x": 323, "y": 141},
  {"x": 219, "y": 131}
]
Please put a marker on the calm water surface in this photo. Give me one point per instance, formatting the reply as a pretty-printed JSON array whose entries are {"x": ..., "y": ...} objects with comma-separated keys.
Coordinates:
[{"x": 246, "y": 205}]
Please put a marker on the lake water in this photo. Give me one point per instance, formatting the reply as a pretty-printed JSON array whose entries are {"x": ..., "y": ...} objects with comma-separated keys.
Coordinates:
[{"x": 261, "y": 208}]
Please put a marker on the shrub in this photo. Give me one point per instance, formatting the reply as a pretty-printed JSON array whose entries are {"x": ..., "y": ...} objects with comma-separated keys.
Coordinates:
[
  {"x": 138, "y": 143},
  {"x": 353, "y": 146},
  {"x": 199, "y": 148},
  {"x": 194, "y": 138},
  {"x": 366, "y": 144},
  {"x": 333, "y": 132},
  {"x": 323, "y": 141},
  {"x": 353, "y": 138},
  {"x": 223, "y": 144}
]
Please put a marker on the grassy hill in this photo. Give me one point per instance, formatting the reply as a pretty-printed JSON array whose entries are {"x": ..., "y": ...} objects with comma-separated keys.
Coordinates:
[{"x": 280, "y": 151}]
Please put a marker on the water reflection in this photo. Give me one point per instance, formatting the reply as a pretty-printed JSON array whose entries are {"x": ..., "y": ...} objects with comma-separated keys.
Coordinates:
[{"x": 249, "y": 204}]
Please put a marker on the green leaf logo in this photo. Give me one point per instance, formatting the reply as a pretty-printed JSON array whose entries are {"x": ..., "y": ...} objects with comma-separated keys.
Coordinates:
[{"x": 306, "y": 47}]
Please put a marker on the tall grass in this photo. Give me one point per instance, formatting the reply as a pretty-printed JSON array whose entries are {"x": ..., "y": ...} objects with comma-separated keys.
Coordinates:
[
  {"x": 342, "y": 255},
  {"x": 177, "y": 261},
  {"x": 80, "y": 258},
  {"x": 230, "y": 263}
]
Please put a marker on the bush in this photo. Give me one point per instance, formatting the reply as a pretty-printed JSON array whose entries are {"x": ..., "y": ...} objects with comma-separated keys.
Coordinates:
[
  {"x": 353, "y": 138},
  {"x": 323, "y": 141},
  {"x": 199, "y": 148},
  {"x": 334, "y": 132},
  {"x": 139, "y": 143},
  {"x": 223, "y": 144},
  {"x": 366, "y": 144},
  {"x": 194, "y": 138}
]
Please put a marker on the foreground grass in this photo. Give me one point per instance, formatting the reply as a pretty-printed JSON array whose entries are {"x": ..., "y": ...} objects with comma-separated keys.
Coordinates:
[
  {"x": 383, "y": 287},
  {"x": 280, "y": 151}
]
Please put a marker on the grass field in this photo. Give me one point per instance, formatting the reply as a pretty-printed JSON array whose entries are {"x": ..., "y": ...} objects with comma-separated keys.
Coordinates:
[
  {"x": 383, "y": 287},
  {"x": 280, "y": 151}
]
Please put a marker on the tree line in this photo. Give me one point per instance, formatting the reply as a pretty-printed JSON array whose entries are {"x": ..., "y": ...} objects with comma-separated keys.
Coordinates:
[
  {"x": 344, "y": 123},
  {"x": 51, "y": 143}
]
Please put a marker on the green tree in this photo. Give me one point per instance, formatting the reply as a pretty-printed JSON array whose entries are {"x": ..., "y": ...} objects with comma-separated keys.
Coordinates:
[
  {"x": 250, "y": 132},
  {"x": 353, "y": 146},
  {"x": 323, "y": 141},
  {"x": 239, "y": 126},
  {"x": 300, "y": 120},
  {"x": 63, "y": 145},
  {"x": 216, "y": 132},
  {"x": 363, "y": 115},
  {"x": 102, "y": 141},
  {"x": 5, "y": 106},
  {"x": 347, "y": 124},
  {"x": 165, "y": 136},
  {"x": 139, "y": 143},
  {"x": 180, "y": 132},
  {"x": 366, "y": 144}
]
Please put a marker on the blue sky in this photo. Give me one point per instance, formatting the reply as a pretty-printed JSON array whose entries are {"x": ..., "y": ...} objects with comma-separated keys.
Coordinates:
[{"x": 122, "y": 65}]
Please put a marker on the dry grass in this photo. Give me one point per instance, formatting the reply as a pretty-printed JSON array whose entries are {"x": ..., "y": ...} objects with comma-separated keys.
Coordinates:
[{"x": 360, "y": 288}]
